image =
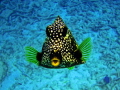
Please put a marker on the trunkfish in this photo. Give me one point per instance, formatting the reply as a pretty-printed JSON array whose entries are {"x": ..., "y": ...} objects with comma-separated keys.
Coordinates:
[{"x": 60, "y": 49}]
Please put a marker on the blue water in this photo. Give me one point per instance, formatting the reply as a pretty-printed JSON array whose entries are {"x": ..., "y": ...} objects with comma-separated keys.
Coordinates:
[{"x": 23, "y": 23}]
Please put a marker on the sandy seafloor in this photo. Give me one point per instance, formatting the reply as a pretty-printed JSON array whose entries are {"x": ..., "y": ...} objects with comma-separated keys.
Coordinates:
[{"x": 23, "y": 23}]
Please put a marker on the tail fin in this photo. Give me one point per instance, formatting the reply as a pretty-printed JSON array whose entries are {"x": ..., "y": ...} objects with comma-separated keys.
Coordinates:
[
  {"x": 85, "y": 47},
  {"x": 31, "y": 55}
]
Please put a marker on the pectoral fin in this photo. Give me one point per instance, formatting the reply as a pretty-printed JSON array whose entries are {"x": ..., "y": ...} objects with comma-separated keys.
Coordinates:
[
  {"x": 31, "y": 55},
  {"x": 85, "y": 47}
]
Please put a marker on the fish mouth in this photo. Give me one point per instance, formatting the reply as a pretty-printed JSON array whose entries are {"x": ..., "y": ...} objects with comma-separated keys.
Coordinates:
[{"x": 55, "y": 61}]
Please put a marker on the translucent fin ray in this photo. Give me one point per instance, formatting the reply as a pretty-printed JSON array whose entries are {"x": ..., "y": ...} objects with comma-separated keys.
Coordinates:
[
  {"x": 31, "y": 55},
  {"x": 85, "y": 47}
]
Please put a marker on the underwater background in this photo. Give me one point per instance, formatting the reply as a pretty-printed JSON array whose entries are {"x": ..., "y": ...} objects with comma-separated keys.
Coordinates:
[{"x": 23, "y": 23}]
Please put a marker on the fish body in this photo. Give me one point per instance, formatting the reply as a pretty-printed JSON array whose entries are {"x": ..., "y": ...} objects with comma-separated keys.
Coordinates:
[{"x": 60, "y": 49}]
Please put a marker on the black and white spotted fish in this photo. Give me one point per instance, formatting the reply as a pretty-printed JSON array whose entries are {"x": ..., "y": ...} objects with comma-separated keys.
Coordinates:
[{"x": 60, "y": 49}]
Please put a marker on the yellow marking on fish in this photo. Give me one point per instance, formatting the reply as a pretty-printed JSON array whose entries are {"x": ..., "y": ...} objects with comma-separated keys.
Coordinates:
[
  {"x": 55, "y": 50},
  {"x": 66, "y": 37},
  {"x": 61, "y": 26}
]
